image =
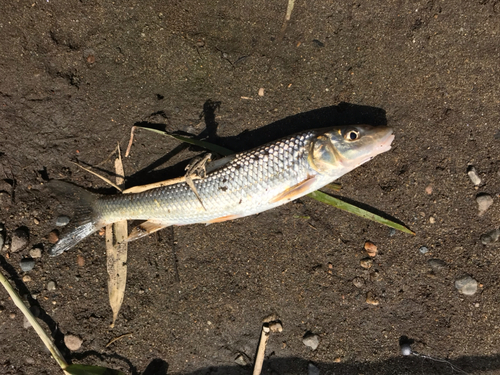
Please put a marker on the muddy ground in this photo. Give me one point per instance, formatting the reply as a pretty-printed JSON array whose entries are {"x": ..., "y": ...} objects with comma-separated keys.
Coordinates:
[{"x": 75, "y": 76}]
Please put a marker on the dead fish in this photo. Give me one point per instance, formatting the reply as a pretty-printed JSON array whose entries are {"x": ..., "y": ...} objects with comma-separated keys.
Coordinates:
[{"x": 236, "y": 186}]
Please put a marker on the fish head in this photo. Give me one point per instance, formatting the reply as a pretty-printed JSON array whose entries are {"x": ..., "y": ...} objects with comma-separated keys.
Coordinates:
[{"x": 342, "y": 149}]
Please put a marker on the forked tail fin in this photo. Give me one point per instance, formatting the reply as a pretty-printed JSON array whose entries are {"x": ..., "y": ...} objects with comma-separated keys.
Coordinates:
[{"x": 85, "y": 220}]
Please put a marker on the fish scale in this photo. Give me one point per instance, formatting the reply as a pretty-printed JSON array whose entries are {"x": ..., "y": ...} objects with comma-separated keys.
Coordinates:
[{"x": 238, "y": 188}]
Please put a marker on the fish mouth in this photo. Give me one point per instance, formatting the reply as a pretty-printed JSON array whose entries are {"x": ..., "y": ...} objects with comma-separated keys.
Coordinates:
[{"x": 383, "y": 146}]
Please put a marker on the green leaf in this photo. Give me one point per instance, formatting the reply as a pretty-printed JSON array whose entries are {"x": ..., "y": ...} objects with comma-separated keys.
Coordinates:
[
  {"x": 209, "y": 146},
  {"x": 91, "y": 370},
  {"x": 337, "y": 203}
]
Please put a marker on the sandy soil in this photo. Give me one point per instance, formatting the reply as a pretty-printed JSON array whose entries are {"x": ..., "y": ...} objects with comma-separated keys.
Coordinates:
[{"x": 75, "y": 76}]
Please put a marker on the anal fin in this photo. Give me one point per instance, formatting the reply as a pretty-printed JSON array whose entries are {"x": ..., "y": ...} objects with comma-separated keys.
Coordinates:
[
  {"x": 295, "y": 191},
  {"x": 223, "y": 218},
  {"x": 145, "y": 229}
]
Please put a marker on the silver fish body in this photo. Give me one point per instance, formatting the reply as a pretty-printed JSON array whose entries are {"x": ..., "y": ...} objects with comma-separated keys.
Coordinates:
[{"x": 250, "y": 182}]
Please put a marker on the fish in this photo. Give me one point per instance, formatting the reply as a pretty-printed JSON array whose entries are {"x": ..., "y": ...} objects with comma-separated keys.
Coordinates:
[{"x": 233, "y": 187}]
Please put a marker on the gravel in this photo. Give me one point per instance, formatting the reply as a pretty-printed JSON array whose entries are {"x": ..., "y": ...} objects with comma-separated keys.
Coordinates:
[
  {"x": 423, "y": 250},
  {"x": 311, "y": 340},
  {"x": 51, "y": 285},
  {"x": 490, "y": 237},
  {"x": 466, "y": 285},
  {"x": 20, "y": 239},
  {"x": 437, "y": 264},
  {"x": 27, "y": 264},
  {"x": 73, "y": 342},
  {"x": 61, "y": 221},
  {"x": 36, "y": 252},
  {"x": 366, "y": 263},
  {"x": 484, "y": 201},
  {"x": 358, "y": 282},
  {"x": 474, "y": 177}
]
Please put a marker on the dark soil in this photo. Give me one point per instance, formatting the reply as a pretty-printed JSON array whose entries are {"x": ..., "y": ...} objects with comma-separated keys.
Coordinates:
[{"x": 75, "y": 76}]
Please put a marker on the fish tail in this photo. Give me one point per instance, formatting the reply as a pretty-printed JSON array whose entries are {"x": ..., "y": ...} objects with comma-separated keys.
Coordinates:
[{"x": 85, "y": 221}]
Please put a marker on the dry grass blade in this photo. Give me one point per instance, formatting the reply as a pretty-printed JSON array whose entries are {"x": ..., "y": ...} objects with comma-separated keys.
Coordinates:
[
  {"x": 98, "y": 175},
  {"x": 116, "y": 251}
]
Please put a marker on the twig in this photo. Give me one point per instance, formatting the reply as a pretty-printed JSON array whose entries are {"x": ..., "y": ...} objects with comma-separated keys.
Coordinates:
[
  {"x": 127, "y": 153},
  {"x": 259, "y": 359},
  {"x": 118, "y": 338}
]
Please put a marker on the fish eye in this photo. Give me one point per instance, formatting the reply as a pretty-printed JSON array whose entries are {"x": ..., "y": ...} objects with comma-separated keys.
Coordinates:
[{"x": 351, "y": 135}]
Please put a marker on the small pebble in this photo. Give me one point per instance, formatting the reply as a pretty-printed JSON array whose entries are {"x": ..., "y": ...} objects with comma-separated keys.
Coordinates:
[
  {"x": 432, "y": 220},
  {"x": 36, "y": 221},
  {"x": 371, "y": 299},
  {"x": 53, "y": 236},
  {"x": 26, "y": 323},
  {"x": 311, "y": 340},
  {"x": 392, "y": 232},
  {"x": 61, "y": 221},
  {"x": 484, "y": 201},
  {"x": 490, "y": 237},
  {"x": 26, "y": 278},
  {"x": 428, "y": 189},
  {"x": 436, "y": 264},
  {"x": 466, "y": 285},
  {"x": 474, "y": 177},
  {"x": 375, "y": 276},
  {"x": 27, "y": 264},
  {"x": 358, "y": 282},
  {"x": 73, "y": 342},
  {"x": 80, "y": 260},
  {"x": 51, "y": 285},
  {"x": 261, "y": 91},
  {"x": 36, "y": 252},
  {"x": 19, "y": 240},
  {"x": 276, "y": 326},
  {"x": 242, "y": 360},
  {"x": 29, "y": 360},
  {"x": 366, "y": 263},
  {"x": 337, "y": 360},
  {"x": 423, "y": 250},
  {"x": 312, "y": 370},
  {"x": 12, "y": 316},
  {"x": 371, "y": 249},
  {"x": 406, "y": 349}
]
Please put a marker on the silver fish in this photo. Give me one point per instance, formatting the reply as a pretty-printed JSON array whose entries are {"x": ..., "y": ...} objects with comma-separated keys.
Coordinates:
[{"x": 241, "y": 185}]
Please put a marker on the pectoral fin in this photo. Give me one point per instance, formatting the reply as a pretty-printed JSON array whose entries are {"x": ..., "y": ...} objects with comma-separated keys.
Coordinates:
[
  {"x": 145, "y": 229},
  {"x": 295, "y": 191}
]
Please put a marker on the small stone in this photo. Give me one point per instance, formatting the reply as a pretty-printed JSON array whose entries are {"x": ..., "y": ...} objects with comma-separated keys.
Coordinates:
[
  {"x": 26, "y": 323},
  {"x": 261, "y": 91},
  {"x": 371, "y": 299},
  {"x": 53, "y": 236},
  {"x": 474, "y": 177},
  {"x": 276, "y": 326},
  {"x": 484, "y": 201},
  {"x": 432, "y": 220},
  {"x": 466, "y": 285},
  {"x": 242, "y": 359},
  {"x": 80, "y": 260},
  {"x": 490, "y": 237},
  {"x": 27, "y": 264},
  {"x": 36, "y": 221},
  {"x": 73, "y": 342},
  {"x": 26, "y": 278},
  {"x": 311, "y": 340},
  {"x": 51, "y": 285},
  {"x": 358, "y": 282},
  {"x": 428, "y": 190},
  {"x": 371, "y": 249},
  {"x": 423, "y": 250},
  {"x": 29, "y": 360},
  {"x": 12, "y": 316},
  {"x": 406, "y": 349},
  {"x": 337, "y": 360},
  {"x": 61, "y": 221},
  {"x": 375, "y": 276},
  {"x": 312, "y": 370},
  {"x": 36, "y": 252},
  {"x": 436, "y": 264},
  {"x": 366, "y": 263},
  {"x": 19, "y": 239},
  {"x": 392, "y": 232}
]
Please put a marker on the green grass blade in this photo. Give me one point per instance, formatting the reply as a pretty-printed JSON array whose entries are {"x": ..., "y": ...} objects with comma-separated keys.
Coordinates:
[
  {"x": 206, "y": 145},
  {"x": 337, "y": 203}
]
